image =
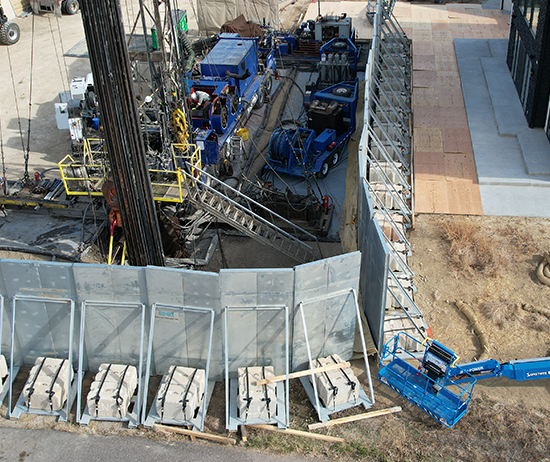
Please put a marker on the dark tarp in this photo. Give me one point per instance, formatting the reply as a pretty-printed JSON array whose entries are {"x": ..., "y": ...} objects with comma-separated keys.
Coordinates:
[{"x": 242, "y": 27}]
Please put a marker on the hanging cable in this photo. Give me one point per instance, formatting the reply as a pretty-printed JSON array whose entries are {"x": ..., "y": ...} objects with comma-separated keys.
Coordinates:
[
  {"x": 26, "y": 177},
  {"x": 63, "y": 82},
  {"x": 4, "y": 179},
  {"x": 66, "y": 66},
  {"x": 15, "y": 101}
]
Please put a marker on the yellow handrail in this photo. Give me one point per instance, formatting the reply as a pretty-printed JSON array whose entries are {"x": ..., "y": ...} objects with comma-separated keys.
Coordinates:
[{"x": 86, "y": 183}]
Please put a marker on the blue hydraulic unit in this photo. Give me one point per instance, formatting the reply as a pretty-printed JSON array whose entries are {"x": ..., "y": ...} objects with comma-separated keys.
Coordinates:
[
  {"x": 234, "y": 80},
  {"x": 304, "y": 152},
  {"x": 427, "y": 382},
  {"x": 439, "y": 386},
  {"x": 338, "y": 61},
  {"x": 283, "y": 43}
]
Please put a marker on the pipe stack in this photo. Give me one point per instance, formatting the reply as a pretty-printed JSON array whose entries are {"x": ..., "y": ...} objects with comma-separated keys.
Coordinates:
[{"x": 105, "y": 37}]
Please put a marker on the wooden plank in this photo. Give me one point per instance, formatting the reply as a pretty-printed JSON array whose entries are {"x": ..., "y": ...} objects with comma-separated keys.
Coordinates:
[
  {"x": 295, "y": 375},
  {"x": 290, "y": 431},
  {"x": 355, "y": 418},
  {"x": 19, "y": 6},
  {"x": 184, "y": 431},
  {"x": 244, "y": 433}
]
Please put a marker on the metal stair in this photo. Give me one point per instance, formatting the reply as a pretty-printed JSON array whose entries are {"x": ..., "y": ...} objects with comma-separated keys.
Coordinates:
[
  {"x": 236, "y": 147},
  {"x": 238, "y": 212}
]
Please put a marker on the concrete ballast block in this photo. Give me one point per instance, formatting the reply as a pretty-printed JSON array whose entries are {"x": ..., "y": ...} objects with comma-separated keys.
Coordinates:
[
  {"x": 335, "y": 387},
  {"x": 46, "y": 387},
  {"x": 181, "y": 393},
  {"x": 253, "y": 401},
  {"x": 112, "y": 390},
  {"x": 3, "y": 368}
]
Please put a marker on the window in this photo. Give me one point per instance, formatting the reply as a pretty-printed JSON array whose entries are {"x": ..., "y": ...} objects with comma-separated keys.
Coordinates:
[
  {"x": 524, "y": 6},
  {"x": 535, "y": 16}
]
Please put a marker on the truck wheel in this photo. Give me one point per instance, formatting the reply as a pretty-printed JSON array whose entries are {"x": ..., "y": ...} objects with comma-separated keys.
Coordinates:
[
  {"x": 341, "y": 91},
  {"x": 268, "y": 85},
  {"x": 261, "y": 99},
  {"x": 9, "y": 33},
  {"x": 71, "y": 6},
  {"x": 324, "y": 170},
  {"x": 334, "y": 159}
]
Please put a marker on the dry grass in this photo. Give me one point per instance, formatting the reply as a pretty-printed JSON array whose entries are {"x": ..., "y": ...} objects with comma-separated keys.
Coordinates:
[
  {"x": 490, "y": 431},
  {"x": 472, "y": 250},
  {"x": 520, "y": 239},
  {"x": 501, "y": 312},
  {"x": 538, "y": 322}
]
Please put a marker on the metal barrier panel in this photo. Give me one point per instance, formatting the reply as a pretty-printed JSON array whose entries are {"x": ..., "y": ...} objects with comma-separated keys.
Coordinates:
[
  {"x": 185, "y": 288},
  {"x": 42, "y": 326},
  {"x": 110, "y": 283},
  {"x": 33, "y": 279},
  {"x": 37, "y": 279},
  {"x": 5, "y": 332},
  {"x": 375, "y": 268},
  {"x": 257, "y": 337},
  {"x": 113, "y": 333},
  {"x": 330, "y": 320},
  {"x": 114, "y": 285}
]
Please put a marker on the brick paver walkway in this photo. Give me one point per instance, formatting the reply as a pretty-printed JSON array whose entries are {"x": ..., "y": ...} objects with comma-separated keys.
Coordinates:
[{"x": 445, "y": 177}]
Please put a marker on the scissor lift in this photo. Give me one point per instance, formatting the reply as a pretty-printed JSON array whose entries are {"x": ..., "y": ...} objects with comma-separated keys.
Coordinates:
[{"x": 426, "y": 382}]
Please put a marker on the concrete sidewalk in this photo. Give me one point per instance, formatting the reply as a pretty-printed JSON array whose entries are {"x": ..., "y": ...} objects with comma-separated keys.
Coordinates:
[
  {"x": 41, "y": 445},
  {"x": 512, "y": 160},
  {"x": 474, "y": 153}
]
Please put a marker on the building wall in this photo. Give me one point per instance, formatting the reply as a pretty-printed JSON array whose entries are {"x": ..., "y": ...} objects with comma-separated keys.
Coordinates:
[{"x": 529, "y": 58}]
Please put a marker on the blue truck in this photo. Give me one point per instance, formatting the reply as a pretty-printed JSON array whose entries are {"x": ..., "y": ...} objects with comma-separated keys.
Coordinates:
[
  {"x": 237, "y": 78},
  {"x": 313, "y": 151}
]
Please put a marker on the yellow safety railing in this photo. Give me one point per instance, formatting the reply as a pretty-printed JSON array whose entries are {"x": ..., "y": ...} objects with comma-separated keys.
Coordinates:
[
  {"x": 82, "y": 179},
  {"x": 166, "y": 185},
  {"x": 187, "y": 153},
  {"x": 86, "y": 177},
  {"x": 94, "y": 150}
]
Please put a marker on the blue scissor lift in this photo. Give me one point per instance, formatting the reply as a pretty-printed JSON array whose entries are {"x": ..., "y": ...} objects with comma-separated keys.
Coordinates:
[{"x": 426, "y": 382}]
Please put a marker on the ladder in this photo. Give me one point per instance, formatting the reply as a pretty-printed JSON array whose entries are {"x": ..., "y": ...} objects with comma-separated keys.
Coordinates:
[{"x": 239, "y": 213}]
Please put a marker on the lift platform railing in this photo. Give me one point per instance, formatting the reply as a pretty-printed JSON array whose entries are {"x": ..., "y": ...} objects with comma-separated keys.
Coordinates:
[{"x": 445, "y": 400}]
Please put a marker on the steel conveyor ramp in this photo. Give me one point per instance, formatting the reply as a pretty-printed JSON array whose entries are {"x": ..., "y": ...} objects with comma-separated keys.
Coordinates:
[{"x": 243, "y": 213}]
